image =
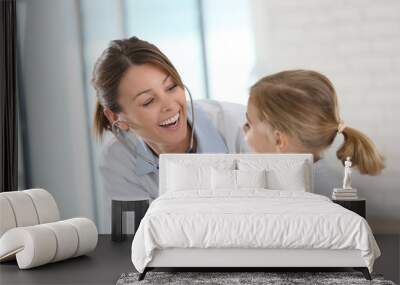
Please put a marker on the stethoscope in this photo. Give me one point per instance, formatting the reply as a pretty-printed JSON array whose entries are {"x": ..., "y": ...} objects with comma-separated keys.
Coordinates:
[{"x": 120, "y": 136}]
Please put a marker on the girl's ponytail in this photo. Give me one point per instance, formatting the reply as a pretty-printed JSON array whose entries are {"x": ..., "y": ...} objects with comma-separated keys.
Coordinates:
[
  {"x": 303, "y": 104},
  {"x": 363, "y": 152}
]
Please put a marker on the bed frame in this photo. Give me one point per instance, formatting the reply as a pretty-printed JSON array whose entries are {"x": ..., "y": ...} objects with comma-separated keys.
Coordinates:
[
  {"x": 250, "y": 259},
  {"x": 234, "y": 259}
]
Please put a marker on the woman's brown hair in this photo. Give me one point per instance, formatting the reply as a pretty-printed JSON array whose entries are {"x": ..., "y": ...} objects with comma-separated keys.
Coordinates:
[
  {"x": 303, "y": 104},
  {"x": 111, "y": 67}
]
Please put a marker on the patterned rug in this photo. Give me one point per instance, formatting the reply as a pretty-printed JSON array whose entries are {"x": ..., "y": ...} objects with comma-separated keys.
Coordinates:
[{"x": 230, "y": 278}]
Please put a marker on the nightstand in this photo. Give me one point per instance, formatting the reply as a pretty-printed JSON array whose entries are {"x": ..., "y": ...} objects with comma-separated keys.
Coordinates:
[
  {"x": 358, "y": 206},
  {"x": 118, "y": 208}
]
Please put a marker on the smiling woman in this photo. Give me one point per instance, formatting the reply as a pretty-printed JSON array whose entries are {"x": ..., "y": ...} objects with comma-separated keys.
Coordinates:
[
  {"x": 141, "y": 99},
  {"x": 151, "y": 103}
]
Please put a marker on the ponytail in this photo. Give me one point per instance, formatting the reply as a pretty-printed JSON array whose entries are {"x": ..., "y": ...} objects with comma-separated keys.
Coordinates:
[
  {"x": 363, "y": 152},
  {"x": 303, "y": 104},
  {"x": 100, "y": 122}
]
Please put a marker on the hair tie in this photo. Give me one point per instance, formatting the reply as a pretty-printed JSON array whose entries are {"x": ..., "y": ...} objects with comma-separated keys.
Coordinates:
[{"x": 341, "y": 127}]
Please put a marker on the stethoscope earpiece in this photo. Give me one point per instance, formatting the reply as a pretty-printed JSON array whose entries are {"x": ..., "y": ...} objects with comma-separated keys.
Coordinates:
[{"x": 115, "y": 129}]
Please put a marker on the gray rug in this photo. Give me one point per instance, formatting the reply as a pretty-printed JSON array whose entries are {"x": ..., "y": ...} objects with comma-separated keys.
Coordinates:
[{"x": 229, "y": 278}]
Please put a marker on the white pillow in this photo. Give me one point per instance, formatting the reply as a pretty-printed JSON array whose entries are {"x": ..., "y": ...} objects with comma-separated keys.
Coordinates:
[
  {"x": 292, "y": 179},
  {"x": 228, "y": 179},
  {"x": 183, "y": 178},
  {"x": 251, "y": 178},
  {"x": 192, "y": 175},
  {"x": 281, "y": 174},
  {"x": 223, "y": 179}
]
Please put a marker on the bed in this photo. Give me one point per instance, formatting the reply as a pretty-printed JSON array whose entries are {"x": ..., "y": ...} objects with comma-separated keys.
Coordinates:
[{"x": 247, "y": 211}]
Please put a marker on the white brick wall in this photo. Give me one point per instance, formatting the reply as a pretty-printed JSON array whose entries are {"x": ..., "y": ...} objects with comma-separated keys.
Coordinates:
[{"x": 357, "y": 45}]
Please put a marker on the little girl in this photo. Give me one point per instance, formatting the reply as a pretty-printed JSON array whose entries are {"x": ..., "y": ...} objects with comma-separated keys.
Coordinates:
[{"x": 296, "y": 111}]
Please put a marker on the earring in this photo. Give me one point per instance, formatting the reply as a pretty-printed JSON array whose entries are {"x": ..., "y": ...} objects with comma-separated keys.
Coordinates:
[{"x": 115, "y": 129}]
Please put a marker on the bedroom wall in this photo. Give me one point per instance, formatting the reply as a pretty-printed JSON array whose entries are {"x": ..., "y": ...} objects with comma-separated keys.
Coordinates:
[{"x": 357, "y": 45}]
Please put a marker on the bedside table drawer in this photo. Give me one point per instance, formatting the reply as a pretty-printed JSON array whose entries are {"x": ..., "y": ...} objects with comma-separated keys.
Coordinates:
[{"x": 357, "y": 206}]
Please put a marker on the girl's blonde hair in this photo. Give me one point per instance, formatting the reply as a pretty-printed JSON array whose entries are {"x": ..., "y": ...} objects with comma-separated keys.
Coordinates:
[{"x": 303, "y": 104}]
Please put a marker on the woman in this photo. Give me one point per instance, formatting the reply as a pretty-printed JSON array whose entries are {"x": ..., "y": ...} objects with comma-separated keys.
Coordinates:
[
  {"x": 141, "y": 99},
  {"x": 296, "y": 111}
]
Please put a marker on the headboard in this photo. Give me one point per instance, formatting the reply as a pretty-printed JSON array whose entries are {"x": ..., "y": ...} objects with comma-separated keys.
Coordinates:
[{"x": 212, "y": 159}]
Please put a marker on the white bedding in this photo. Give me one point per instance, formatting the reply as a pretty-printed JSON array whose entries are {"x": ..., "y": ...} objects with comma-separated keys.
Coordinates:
[{"x": 251, "y": 218}]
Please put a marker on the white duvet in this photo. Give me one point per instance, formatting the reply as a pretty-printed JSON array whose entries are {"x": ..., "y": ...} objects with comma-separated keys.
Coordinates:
[{"x": 252, "y": 218}]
